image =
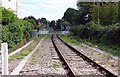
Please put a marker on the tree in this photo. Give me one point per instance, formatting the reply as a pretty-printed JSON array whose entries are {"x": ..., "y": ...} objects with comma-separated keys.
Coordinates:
[
  {"x": 118, "y": 12},
  {"x": 108, "y": 12},
  {"x": 72, "y": 16},
  {"x": 14, "y": 28},
  {"x": 85, "y": 10},
  {"x": 84, "y": 7},
  {"x": 31, "y": 17},
  {"x": 58, "y": 24},
  {"x": 52, "y": 24},
  {"x": 43, "y": 20},
  {"x": 65, "y": 26},
  {"x": 33, "y": 21},
  {"x": 0, "y": 15}
]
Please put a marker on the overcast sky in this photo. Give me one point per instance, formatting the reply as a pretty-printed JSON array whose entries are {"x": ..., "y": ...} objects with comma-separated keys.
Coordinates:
[{"x": 50, "y": 9}]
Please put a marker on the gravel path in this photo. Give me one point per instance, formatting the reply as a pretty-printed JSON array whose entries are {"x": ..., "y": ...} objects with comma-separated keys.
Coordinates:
[{"x": 44, "y": 61}]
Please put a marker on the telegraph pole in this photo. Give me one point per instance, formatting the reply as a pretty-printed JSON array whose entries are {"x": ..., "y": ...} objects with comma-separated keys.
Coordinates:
[{"x": 98, "y": 10}]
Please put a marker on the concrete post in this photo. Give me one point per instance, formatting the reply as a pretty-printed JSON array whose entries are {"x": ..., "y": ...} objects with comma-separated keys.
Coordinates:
[
  {"x": 4, "y": 48},
  {"x": 2, "y": 56}
]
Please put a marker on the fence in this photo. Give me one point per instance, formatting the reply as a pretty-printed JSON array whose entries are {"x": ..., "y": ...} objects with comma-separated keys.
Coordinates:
[
  {"x": 4, "y": 59},
  {"x": 43, "y": 32}
]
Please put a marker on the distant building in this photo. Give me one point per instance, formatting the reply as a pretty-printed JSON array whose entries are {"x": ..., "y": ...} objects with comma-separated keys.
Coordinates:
[{"x": 10, "y": 4}]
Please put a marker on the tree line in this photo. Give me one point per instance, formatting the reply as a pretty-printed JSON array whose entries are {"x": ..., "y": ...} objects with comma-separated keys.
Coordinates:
[
  {"x": 16, "y": 31},
  {"x": 93, "y": 22},
  {"x": 104, "y": 28}
]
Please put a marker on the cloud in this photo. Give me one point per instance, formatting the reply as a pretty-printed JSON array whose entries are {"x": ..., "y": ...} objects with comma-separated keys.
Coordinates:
[{"x": 51, "y": 9}]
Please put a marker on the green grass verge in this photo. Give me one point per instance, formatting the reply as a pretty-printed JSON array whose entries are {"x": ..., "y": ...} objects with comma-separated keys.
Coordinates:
[
  {"x": 111, "y": 49},
  {"x": 70, "y": 40},
  {"x": 26, "y": 51}
]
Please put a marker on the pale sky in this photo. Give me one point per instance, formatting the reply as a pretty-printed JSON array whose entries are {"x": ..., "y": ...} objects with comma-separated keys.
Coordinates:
[{"x": 50, "y": 9}]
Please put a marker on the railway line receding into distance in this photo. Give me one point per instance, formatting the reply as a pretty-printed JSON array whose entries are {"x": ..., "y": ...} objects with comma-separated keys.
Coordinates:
[{"x": 76, "y": 63}]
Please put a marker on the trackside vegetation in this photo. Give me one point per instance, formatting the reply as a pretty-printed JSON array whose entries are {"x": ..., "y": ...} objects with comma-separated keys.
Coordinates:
[
  {"x": 14, "y": 30},
  {"x": 26, "y": 51},
  {"x": 100, "y": 30},
  {"x": 105, "y": 38}
]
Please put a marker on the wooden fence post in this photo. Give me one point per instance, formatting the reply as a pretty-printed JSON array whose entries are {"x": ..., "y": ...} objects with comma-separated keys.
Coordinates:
[{"x": 4, "y": 48}]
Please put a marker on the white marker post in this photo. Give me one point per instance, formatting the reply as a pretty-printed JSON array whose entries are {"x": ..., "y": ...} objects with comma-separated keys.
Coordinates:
[{"x": 4, "y": 49}]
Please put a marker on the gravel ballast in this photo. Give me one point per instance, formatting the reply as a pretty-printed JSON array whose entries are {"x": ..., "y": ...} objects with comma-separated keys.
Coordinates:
[{"x": 44, "y": 61}]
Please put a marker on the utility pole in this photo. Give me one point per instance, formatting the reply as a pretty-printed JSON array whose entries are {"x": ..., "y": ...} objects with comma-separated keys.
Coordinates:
[{"x": 98, "y": 10}]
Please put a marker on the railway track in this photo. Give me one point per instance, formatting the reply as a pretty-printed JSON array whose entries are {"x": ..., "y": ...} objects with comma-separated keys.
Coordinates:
[{"x": 76, "y": 63}]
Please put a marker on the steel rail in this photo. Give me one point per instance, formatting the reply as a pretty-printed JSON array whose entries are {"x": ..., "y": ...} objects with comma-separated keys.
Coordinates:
[
  {"x": 70, "y": 73},
  {"x": 91, "y": 62},
  {"x": 94, "y": 64}
]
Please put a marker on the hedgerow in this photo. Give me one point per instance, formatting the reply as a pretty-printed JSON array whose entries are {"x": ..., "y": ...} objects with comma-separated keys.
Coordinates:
[{"x": 14, "y": 30}]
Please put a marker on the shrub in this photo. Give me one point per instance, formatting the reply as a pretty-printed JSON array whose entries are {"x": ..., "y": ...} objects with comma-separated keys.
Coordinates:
[
  {"x": 14, "y": 28},
  {"x": 7, "y": 16},
  {"x": 92, "y": 31},
  {"x": 111, "y": 35}
]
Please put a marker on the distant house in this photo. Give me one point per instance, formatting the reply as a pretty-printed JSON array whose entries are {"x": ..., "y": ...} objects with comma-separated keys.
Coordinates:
[{"x": 11, "y": 5}]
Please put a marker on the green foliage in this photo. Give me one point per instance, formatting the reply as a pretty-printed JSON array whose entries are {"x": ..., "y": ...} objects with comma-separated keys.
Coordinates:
[
  {"x": 19, "y": 55},
  {"x": 17, "y": 31},
  {"x": 13, "y": 33},
  {"x": 43, "y": 20},
  {"x": 58, "y": 24},
  {"x": 84, "y": 7},
  {"x": 108, "y": 13},
  {"x": 26, "y": 51},
  {"x": 57, "y": 64},
  {"x": 7, "y": 36},
  {"x": 28, "y": 27},
  {"x": 105, "y": 30},
  {"x": 14, "y": 28},
  {"x": 118, "y": 19},
  {"x": 0, "y": 34},
  {"x": 7, "y": 16},
  {"x": 52, "y": 24},
  {"x": 33, "y": 22},
  {"x": 72, "y": 16},
  {"x": 66, "y": 23},
  {"x": 75, "y": 40},
  {"x": 93, "y": 31},
  {"x": 70, "y": 39},
  {"x": 111, "y": 35},
  {"x": 0, "y": 14}
]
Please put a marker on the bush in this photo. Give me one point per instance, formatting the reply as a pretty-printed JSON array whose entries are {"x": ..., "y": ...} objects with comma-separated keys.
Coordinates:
[
  {"x": 7, "y": 36},
  {"x": 28, "y": 27},
  {"x": 88, "y": 31},
  {"x": 7, "y": 16},
  {"x": 14, "y": 29},
  {"x": 93, "y": 31},
  {"x": 111, "y": 35}
]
